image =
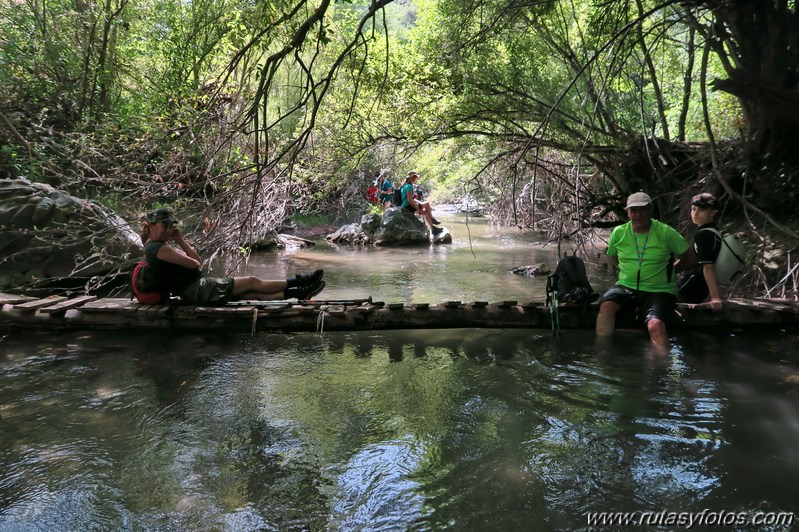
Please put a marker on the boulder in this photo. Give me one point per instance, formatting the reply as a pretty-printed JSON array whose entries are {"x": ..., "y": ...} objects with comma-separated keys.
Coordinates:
[
  {"x": 267, "y": 240},
  {"x": 396, "y": 227},
  {"x": 46, "y": 234},
  {"x": 274, "y": 240},
  {"x": 400, "y": 227},
  {"x": 371, "y": 222},
  {"x": 348, "y": 234}
]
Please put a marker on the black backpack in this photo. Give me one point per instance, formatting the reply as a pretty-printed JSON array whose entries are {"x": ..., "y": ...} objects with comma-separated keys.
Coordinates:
[
  {"x": 396, "y": 199},
  {"x": 569, "y": 283}
]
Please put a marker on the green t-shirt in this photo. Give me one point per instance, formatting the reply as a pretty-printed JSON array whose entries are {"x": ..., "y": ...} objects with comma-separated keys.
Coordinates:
[{"x": 655, "y": 250}]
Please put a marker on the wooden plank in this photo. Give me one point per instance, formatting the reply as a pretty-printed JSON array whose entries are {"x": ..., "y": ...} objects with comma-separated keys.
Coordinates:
[
  {"x": 157, "y": 311},
  {"x": 30, "y": 306},
  {"x": 66, "y": 305},
  {"x": 12, "y": 299},
  {"x": 339, "y": 315},
  {"x": 110, "y": 305},
  {"x": 224, "y": 312}
]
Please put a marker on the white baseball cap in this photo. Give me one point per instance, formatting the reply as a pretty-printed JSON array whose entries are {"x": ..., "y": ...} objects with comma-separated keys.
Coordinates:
[{"x": 638, "y": 199}]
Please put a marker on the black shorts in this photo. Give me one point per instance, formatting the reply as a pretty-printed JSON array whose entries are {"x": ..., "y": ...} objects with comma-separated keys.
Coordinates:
[
  {"x": 645, "y": 305},
  {"x": 409, "y": 208},
  {"x": 692, "y": 286}
]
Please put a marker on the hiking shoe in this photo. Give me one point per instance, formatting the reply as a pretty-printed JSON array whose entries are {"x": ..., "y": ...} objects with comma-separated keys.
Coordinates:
[
  {"x": 435, "y": 222},
  {"x": 305, "y": 292},
  {"x": 305, "y": 279},
  {"x": 437, "y": 230}
]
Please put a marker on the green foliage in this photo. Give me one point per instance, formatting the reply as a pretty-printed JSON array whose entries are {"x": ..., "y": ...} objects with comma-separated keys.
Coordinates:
[
  {"x": 161, "y": 99},
  {"x": 310, "y": 220}
]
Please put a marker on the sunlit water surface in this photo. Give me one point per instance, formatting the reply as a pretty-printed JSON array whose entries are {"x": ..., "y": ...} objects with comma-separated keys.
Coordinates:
[{"x": 399, "y": 430}]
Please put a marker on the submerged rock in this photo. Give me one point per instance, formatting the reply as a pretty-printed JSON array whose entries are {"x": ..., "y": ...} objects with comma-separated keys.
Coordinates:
[{"x": 531, "y": 270}]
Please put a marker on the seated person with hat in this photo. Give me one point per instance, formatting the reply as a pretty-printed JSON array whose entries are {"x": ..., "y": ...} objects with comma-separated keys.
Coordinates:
[
  {"x": 176, "y": 268},
  {"x": 423, "y": 208},
  {"x": 643, "y": 250},
  {"x": 700, "y": 281}
]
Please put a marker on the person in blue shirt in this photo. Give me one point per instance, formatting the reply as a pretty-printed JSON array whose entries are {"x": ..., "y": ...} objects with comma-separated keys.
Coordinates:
[
  {"x": 386, "y": 191},
  {"x": 422, "y": 208}
]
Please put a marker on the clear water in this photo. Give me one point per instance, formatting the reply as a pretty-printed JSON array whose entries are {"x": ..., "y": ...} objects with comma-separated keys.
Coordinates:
[
  {"x": 475, "y": 267},
  {"x": 397, "y": 430}
]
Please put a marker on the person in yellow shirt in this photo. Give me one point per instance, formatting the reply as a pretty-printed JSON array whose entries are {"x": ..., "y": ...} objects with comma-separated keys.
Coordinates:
[{"x": 643, "y": 249}]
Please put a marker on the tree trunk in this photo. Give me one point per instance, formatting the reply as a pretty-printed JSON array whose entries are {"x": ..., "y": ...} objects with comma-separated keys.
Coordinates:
[{"x": 760, "y": 38}]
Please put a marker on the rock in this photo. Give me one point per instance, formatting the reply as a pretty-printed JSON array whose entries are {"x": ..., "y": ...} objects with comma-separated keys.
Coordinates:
[
  {"x": 400, "y": 227},
  {"x": 371, "y": 222},
  {"x": 444, "y": 237},
  {"x": 396, "y": 227},
  {"x": 46, "y": 233},
  {"x": 532, "y": 270},
  {"x": 348, "y": 234},
  {"x": 293, "y": 242},
  {"x": 267, "y": 240},
  {"x": 274, "y": 240}
]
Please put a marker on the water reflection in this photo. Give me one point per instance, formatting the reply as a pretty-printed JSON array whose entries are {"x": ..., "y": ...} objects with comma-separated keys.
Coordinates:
[{"x": 391, "y": 430}]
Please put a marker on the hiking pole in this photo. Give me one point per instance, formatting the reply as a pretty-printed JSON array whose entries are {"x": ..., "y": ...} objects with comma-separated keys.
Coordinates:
[
  {"x": 283, "y": 302},
  {"x": 344, "y": 302},
  {"x": 552, "y": 302}
]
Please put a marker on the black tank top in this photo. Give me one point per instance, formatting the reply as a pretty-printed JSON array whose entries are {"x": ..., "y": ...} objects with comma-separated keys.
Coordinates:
[{"x": 172, "y": 278}]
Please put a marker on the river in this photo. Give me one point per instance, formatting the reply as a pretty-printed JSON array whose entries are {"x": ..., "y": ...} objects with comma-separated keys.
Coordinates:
[{"x": 462, "y": 429}]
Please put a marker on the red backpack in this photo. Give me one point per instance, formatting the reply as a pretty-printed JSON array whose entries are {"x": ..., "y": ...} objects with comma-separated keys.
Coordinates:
[{"x": 144, "y": 286}]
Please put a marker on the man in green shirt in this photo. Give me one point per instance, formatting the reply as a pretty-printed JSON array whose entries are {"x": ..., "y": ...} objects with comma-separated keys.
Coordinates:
[{"x": 643, "y": 249}]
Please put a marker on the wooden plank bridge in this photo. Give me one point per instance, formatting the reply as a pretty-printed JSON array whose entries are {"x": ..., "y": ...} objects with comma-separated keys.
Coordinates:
[{"x": 89, "y": 312}]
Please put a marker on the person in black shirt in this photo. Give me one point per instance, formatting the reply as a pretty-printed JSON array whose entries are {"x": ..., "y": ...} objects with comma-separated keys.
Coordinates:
[
  {"x": 177, "y": 270},
  {"x": 700, "y": 281}
]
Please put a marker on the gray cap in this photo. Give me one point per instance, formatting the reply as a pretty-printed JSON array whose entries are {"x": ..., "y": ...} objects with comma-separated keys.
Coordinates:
[{"x": 638, "y": 199}]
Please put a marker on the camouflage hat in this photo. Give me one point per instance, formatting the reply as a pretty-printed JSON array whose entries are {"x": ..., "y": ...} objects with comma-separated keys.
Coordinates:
[
  {"x": 705, "y": 200},
  {"x": 161, "y": 215}
]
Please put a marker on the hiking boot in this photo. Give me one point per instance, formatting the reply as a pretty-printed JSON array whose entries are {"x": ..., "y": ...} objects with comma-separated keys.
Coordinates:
[
  {"x": 305, "y": 279},
  {"x": 434, "y": 221},
  {"x": 437, "y": 230},
  {"x": 304, "y": 292}
]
